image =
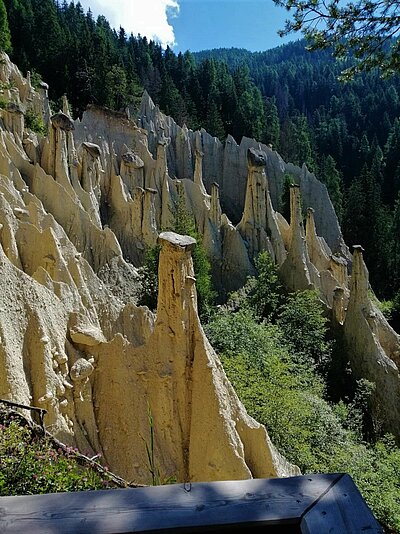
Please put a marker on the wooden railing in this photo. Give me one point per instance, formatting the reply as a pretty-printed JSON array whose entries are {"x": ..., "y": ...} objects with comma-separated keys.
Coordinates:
[{"x": 313, "y": 504}]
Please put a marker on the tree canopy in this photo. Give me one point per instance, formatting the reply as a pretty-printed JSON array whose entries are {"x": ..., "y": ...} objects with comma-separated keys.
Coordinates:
[{"x": 367, "y": 29}]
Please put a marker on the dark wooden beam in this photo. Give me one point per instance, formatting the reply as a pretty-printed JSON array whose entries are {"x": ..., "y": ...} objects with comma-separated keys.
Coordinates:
[{"x": 311, "y": 504}]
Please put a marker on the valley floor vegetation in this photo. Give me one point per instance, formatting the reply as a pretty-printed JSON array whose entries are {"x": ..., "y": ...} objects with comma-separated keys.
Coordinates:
[{"x": 293, "y": 376}]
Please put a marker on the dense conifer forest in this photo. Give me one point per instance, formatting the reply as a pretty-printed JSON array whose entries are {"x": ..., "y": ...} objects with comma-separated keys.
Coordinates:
[{"x": 349, "y": 134}]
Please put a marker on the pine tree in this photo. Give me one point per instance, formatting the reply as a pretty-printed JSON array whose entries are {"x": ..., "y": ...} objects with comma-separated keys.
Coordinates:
[
  {"x": 368, "y": 222},
  {"x": 391, "y": 183}
]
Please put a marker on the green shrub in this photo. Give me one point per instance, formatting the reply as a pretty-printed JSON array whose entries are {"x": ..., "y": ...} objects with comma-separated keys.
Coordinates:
[
  {"x": 36, "y": 79},
  {"x": 35, "y": 122},
  {"x": 264, "y": 293},
  {"x": 7, "y": 85},
  {"x": 288, "y": 397},
  {"x": 30, "y": 464},
  {"x": 276, "y": 390},
  {"x": 148, "y": 276},
  {"x": 186, "y": 225},
  {"x": 305, "y": 329}
]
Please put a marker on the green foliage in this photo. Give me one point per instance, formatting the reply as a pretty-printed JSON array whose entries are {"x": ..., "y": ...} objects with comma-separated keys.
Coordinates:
[
  {"x": 304, "y": 327},
  {"x": 271, "y": 344},
  {"x": 7, "y": 85},
  {"x": 369, "y": 221},
  {"x": 5, "y": 36},
  {"x": 35, "y": 122},
  {"x": 395, "y": 312},
  {"x": 36, "y": 79},
  {"x": 148, "y": 275},
  {"x": 116, "y": 88},
  {"x": 275, "y": 380},
  {"x": 376, "y": 471},
  {"x": 29, "y": 464},
  {"x": 296, "y": 141},
  {"x": 3, "y": 103},
  {"x": 385, "y": 306},
  {"x": 330, "y": 176},
  {"x": 272, "y": 125},
  {"x": 275, "y": 389},
  {"x": 364, "y": 28},
  {"x": 263, "y": 293}
]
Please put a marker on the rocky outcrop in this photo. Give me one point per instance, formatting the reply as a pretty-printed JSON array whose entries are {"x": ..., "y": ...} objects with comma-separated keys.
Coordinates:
[
  {"x": 373, "y": 347},
  {"x": 259, "y": 226},
  {"x": 297, "y": 271}
]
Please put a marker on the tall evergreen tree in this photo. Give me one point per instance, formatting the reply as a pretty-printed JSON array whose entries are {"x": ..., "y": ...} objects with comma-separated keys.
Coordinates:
[
  {"x": 272, "y": 126},
  {"x": 330, "y": 176},
  {"x": 5, "y": 36}
]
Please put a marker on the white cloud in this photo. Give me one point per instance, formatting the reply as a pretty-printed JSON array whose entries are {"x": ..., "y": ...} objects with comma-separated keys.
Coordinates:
[{"x": 147, "y": 17}]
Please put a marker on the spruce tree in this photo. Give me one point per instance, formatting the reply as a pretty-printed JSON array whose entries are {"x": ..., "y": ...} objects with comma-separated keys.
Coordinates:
[
  {"x": 5, "y": 36},
  {"x": 331, "y": 177}
]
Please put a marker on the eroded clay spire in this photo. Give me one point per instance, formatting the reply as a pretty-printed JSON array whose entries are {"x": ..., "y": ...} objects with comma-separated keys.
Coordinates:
[
  {"x": 373, "y": 346},
  {"x": 253, "y": 225},
  {"x": 198, "y": 171},
  {"x": 295, "y": 270},
  {"x": 215, "y": 206}
]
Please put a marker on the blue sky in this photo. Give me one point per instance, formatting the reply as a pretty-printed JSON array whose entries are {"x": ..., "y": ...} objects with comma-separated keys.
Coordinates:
[
  {"x": 197, "y": 24},
  {"x": 251, "y": 24}
]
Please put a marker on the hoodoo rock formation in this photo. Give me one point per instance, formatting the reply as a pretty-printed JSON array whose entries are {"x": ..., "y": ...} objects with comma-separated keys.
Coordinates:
[{"x": 79, "y": 207}]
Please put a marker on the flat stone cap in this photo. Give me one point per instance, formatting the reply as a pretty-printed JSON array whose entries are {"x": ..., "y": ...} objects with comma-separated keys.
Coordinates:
[
  {"x": 358, "y": 248},
  {"x": 177, "y": 240},
  {"x": 94, "y": 150},
  {"x": 338, "y": 291},
  {"x": 62, "y": 121},
  {"x": 132, "y": 160},
  {"x": 256, "y": 158}
]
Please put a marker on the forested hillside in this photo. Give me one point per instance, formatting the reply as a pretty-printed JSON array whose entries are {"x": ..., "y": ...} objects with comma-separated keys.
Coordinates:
[
  {"x": 93, "y": 63},
  {"x": 349, "y": 134}
]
